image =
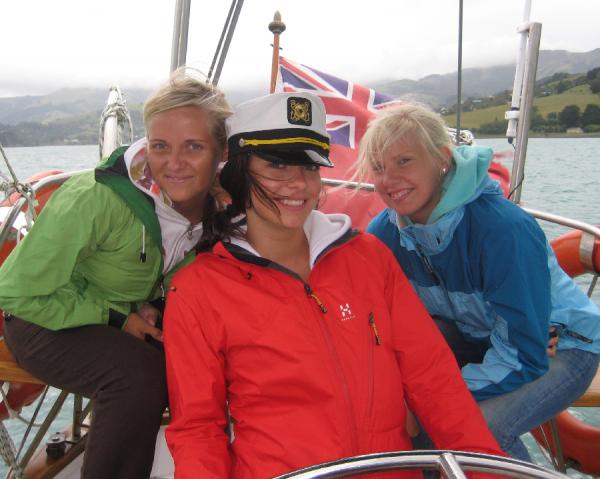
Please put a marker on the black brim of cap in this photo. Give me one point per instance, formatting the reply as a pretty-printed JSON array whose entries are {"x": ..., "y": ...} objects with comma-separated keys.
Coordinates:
[{"x": 297, "y": 157}]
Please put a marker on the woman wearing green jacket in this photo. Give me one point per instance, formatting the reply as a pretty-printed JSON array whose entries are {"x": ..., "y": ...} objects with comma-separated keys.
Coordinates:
[{"x": 76, "y": 292}]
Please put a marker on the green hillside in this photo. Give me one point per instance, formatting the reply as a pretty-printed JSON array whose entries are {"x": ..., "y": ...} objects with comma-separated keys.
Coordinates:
[
  {"x": 548, "y": 104},
  {"x": 579, "y": 95}
]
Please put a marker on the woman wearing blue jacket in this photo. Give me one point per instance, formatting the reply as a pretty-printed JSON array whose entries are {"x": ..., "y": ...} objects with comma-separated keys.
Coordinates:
[{"x": 484, "y": 270}]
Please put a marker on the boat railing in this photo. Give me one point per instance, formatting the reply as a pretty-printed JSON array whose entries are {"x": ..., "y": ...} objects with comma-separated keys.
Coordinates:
[
  {"x": 541, "y": 215},
  {"x": 563, "y": 221},
  {"x": 591, "y": 232},
  {"x": 9, "y": 216},
  {"x": 452, "y": 464}
]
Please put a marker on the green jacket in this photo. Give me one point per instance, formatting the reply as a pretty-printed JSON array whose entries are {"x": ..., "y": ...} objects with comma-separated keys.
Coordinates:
[{"x": 82, "y": 262}]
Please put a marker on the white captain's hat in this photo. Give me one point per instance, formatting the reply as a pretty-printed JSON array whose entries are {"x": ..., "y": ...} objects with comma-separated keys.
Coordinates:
[{"x": 282, "y": 127}]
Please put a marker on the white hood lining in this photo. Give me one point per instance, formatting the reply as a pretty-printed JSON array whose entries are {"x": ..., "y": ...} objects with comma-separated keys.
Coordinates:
[{"x": 321, "y": 231}]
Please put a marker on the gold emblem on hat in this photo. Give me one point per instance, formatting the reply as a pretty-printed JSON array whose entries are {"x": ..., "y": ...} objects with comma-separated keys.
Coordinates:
[{"x": 299, "y": 111}]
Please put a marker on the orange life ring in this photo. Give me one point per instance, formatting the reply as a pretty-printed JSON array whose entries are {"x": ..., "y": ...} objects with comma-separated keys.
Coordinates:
[
  {"x": 579, "y": 441},
  {"x": 18, "y": 394},
  {"x": 577, "y": 253},
  {"x": 21, "y": 394}
]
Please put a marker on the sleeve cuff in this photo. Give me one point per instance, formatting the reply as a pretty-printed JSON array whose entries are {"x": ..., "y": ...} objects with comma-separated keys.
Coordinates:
[{"x": 116, "y": 319}]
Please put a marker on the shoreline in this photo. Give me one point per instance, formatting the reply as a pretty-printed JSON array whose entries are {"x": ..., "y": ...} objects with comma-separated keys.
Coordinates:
[
  {"x": 545, "y": 135},
  {"x": 477, "y": 137}
]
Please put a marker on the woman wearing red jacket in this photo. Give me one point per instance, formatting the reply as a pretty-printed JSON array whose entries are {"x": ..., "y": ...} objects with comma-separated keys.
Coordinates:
[{"x": 300, "y": 334}]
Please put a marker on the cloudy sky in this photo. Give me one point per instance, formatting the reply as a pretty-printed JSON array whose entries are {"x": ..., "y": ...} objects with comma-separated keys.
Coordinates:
[{"x": 50, "y": 44}]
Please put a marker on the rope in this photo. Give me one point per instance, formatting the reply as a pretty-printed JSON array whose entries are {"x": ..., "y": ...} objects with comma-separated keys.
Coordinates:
[
  {"x": 115, "y": 109},
  {"x": 8, "y": 452},
  {"x": 24, "y": 189},
  {"x": 12, "y": 413},
  {"x": 464, "y": 138}
]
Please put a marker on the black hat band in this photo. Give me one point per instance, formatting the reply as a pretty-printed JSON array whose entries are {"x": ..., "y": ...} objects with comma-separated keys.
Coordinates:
[{"x": 283, "y": 139}]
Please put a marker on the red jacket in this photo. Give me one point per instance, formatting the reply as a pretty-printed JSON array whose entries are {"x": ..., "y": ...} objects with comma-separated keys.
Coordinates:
[{"x": 311, "y": 372}]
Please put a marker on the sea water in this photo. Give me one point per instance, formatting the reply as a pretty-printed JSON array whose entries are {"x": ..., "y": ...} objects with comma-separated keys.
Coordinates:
[{"x": 561, "y": 177}]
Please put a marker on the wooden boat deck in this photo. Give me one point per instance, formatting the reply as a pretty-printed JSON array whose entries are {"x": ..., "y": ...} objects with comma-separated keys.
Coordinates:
[
  {"x": 10, "y": 371},
  {"x": 591, "y": 398}
]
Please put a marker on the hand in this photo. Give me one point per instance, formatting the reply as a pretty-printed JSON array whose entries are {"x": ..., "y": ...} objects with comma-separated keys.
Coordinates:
[
  {"x": 139, "y": 326},
  {"x": 412, "y": 427},
  {"x": 552, "y": 342},
  {"x": 149, "y": 313}
]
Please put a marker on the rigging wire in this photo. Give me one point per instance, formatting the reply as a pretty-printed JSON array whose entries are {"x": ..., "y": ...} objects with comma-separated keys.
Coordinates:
[
  {"x": 229, "y": 27},
  {"x": 220, "y": 44},
  {"x": 459, "y": 72}
]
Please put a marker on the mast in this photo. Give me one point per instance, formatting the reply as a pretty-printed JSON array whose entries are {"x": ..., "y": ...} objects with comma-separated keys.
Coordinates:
[
  {"x": 180, "y": 33},
  {"x": 519, "y": 116},
  {"x": 515, "y": 103},
  {"x": 277, "y": 27}
]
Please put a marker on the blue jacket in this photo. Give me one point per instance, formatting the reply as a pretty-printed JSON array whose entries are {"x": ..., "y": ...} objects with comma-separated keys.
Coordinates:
[{"x": 485, "y": 264}]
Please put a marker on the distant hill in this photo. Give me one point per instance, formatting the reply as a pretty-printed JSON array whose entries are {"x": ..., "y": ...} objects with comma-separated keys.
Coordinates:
[
  {"x": 65, "y": 103},
  {"x": 71, "y": 115},
  {"x": 440, "y": 90}
]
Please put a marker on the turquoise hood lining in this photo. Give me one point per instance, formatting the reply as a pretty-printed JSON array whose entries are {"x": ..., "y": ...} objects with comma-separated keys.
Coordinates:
[{"x": 462, "y": 184}]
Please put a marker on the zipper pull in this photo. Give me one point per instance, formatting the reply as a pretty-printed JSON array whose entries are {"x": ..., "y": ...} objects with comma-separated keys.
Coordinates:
[
  {"x": 428, "y": 265},
  {"x": 189, "y": 231},
  {"x": 310, "y": 293},
  {"x": 575, "y": 335},
  {"x": 561, "y": 329},
  {"x": 374, "y": 328},
  {"x": 143, "y": 252},
  {"x": 161, "y": 285}
]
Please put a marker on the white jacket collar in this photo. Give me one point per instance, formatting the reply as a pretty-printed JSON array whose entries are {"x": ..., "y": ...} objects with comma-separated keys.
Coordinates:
[
  {"x": 321, "y": 231},
  {"x": 178, "y": 235}
]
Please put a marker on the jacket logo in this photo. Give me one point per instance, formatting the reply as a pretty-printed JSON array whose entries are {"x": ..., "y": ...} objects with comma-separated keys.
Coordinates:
[{"x": 346, "y": 312}]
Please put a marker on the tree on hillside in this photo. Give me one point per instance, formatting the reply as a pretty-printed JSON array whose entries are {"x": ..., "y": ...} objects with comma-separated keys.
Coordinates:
[
  {"x": 563, "y": 86},
  {"x": 595, "y": 85},
  {"x": 570, "y": 116},
  {"x": 537, "y": 120},
  {"x": 591, "y": 115},
  {"x": 593, "y": 74},
  {"x": 557, "y": 77}
]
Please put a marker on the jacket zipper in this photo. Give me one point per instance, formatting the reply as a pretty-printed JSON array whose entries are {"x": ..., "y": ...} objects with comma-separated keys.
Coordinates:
[
  {"x": 177, "y": 244},
  {"x": 370, "y": 371},
  {"x": 428, "y": 265},
  {"x": 352, "y": 425},
  {"x": 437, "y": 280},
  {"x": 312, "y": 295},
  {"x": 374, "y": 328},
  {"x": 338, "y": 368},
  {"x": 563, "y": 329}
]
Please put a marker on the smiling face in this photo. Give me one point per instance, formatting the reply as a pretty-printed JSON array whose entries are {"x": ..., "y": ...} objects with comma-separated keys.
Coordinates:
[
  {"x": 409, "y": 180},
  {"x": 183, "y": 156},
  {"x": 293, "y": 189}
]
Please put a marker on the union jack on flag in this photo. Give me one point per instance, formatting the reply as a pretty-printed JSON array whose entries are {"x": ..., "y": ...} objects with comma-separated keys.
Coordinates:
[
  {"x": 349, "y": 108},
  {"x": 349, "y": 105}
]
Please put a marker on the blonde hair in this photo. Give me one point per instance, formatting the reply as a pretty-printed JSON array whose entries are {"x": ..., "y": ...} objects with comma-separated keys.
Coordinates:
[
  {"x": 409, "y": 122},
  {"x": 187, "y": 87}
]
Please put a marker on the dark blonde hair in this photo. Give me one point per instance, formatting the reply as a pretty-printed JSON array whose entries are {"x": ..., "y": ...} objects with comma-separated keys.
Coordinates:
[
  {"x": 409, "y": 122},
  {"x": 187, "y": 87}
]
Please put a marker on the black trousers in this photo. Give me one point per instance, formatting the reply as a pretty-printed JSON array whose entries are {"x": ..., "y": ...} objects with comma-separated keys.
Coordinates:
[
  {"x": 122, "y": 374},
  {"x": 465, "y": 352}
]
